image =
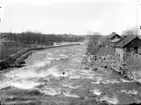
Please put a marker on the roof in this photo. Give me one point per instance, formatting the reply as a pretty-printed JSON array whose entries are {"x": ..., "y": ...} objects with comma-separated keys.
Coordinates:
[
  {"x": 125, "y": 40},
  {"x": 114, "y": 40},
  {"x": 112, "y": 35}
]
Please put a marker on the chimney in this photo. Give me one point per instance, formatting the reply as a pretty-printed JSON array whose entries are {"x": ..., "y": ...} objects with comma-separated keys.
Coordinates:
[{"x": 113, "y": 33}]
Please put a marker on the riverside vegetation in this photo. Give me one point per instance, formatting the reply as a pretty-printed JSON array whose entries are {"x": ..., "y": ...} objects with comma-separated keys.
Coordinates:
[{"x": 11, "y": 43}]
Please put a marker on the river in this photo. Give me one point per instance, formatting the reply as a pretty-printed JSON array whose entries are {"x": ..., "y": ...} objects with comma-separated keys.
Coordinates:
[{"x": 53, "y": 73}]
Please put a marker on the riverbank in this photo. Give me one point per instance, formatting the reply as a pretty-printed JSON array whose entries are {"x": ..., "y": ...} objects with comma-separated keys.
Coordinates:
[
  {"x": 17, "y": 59},
  {"x": 110, "y": 63}
]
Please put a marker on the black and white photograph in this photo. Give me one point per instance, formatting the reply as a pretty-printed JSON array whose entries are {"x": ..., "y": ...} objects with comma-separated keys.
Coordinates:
[{"x": 70, "y": 52}]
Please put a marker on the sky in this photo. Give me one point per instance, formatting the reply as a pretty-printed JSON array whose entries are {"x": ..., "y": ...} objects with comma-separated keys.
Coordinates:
[{"x": 68, "y": 16}]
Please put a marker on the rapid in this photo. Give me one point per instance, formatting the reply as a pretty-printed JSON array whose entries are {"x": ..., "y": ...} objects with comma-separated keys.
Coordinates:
[{"x": 59, "y": 72}]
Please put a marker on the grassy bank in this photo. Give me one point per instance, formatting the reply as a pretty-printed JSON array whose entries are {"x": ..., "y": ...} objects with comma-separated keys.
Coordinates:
[{"x": 5, "y": 52}]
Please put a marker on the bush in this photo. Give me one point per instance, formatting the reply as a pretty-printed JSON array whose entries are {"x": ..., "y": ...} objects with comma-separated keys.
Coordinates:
[
  {"x": 134, "y": 62},
  {"x": 133, "y": 66},
  {"x": 93, "y": 44}
]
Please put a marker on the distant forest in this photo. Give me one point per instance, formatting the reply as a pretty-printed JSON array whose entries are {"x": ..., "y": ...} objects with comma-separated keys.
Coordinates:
[{"x": 34, "y": 38}]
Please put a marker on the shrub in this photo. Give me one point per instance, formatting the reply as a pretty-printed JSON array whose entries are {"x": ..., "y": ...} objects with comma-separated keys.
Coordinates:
[{"x": 92, "y": 45}]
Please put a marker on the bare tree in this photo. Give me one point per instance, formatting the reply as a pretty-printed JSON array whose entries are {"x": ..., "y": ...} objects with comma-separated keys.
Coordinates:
[
  {"x": 131, "y": 31},
  {"x": 102, "y": 41},
  {"x": 93, "y": 40}
]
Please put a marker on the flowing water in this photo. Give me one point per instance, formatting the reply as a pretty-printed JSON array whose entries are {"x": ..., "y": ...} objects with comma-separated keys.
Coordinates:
[{"x": 58, "y": 71}]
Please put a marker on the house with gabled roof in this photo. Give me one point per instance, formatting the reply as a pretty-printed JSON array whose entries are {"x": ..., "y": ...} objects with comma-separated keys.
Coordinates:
[
  {"x": 127, "y": 45},
  {"x": 113, "y": 38}
]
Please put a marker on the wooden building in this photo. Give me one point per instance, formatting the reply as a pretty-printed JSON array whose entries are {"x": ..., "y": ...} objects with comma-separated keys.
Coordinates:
[
  {"x": 114, "y": 36},
  {"x": 127, "y": 45},
  {"x": 113, "y": 39}
]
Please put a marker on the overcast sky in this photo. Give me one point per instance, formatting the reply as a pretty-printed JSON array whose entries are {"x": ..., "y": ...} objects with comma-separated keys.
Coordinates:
[{"x": 68, "y": 16}]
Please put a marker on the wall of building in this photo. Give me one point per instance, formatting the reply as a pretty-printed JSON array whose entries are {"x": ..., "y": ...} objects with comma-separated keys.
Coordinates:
[
  {"x": 139, "y": 50},
  {"x": 119, "y": 53}
]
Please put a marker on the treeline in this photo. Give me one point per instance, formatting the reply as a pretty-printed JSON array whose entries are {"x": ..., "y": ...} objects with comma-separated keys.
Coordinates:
[{"x": 28, "y": 38}]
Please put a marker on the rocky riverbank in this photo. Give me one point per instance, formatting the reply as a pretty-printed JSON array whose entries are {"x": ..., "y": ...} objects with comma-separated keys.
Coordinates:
[{"x": 110, "y": 63}]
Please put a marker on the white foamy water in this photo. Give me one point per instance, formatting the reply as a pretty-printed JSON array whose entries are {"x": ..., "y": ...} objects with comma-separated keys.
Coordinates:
[
  {"x": 112, "y": 100},
  {"x": 25, "y": 85},
  {"x": 134, "y": 92},
  {"x": 28, "y": 73},
  {"x": 18, "y": 83},
  {"x": 63, "y": 55},
  {"x": 110, "y": 82},
  {"x": 39, "y": 64},
  {"x": 97, "y": 82},
  {"x": 70, "y": 95},
  {"x": 123, "y": 80},
  {"x": 51, "y": 91},
  {"x": 73, "y": 87},
  {"x": 37, "y": 72},
  {"x": 49, "y": 59},
  {"x": 48, "y": 53},
  {"x": 96, "y": 92},
  {"x": 61, "y": 69},
  {"x": 5, "y": 83},
  {"x": 56, "y": 72},
  {"x": 74, "y": 76}
]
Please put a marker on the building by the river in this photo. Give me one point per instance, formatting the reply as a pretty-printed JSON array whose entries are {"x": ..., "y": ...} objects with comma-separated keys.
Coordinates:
[{"x": 125, "y": 46}]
